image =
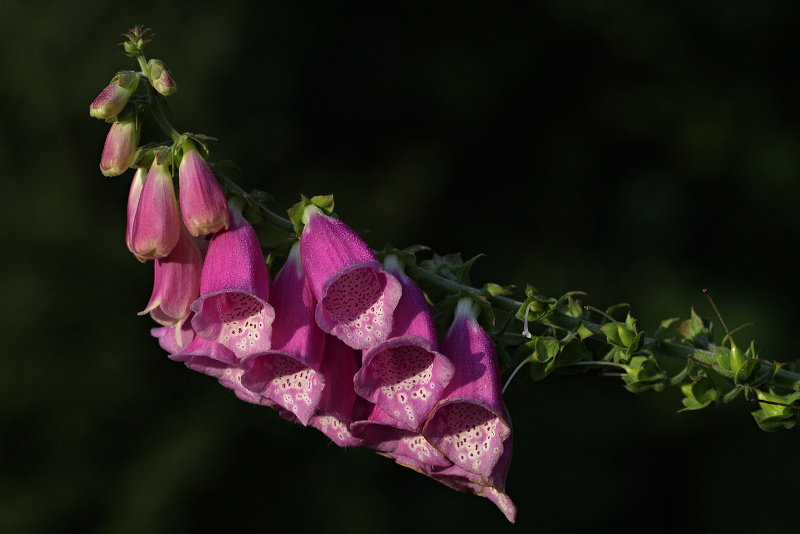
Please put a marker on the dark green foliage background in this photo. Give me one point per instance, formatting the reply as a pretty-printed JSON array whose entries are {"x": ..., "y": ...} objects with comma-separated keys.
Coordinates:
[{"x": 638, "y": 151}]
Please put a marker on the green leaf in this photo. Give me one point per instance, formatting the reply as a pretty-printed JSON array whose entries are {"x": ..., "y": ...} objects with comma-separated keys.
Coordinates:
[
  {"x": 699, "y": 394},
  {"x": 661, "y": 331}
]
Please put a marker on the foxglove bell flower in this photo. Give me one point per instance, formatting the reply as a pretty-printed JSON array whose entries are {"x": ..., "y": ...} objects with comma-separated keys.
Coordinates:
[
  {"x": 339, "y": 405},
  {"x": 406, "y": 375},
  {"x": 289, "y": 372},
  {"x": 177, "y": 283},
  {"x": 233, "y": 308},
  {"x": 469, "y": 424},
  {"x": 115, "y": 96},
  {"x": 156, "y": 225},
  {"x": 121, "y": 141},
  {"x": 203, "y": 204},
  {"x": 355, "y": 297}
]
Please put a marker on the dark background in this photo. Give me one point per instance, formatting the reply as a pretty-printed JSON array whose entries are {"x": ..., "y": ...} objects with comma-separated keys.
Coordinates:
[{"x": 638, "y": 151}]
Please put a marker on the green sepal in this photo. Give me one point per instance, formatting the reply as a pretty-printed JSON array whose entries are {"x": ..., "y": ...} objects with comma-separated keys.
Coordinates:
[
  {"x": 541, "y": 352},
  {"x": 723, "y": 355},
  {"x": 772, "y": 417},
  {"x": 696, "y": 330},
  {"x": 324, "y": 203},
  {"x": 493, "y": 290},
  {"x": 699, "y": 394},
  {"x": 540, "y": 306},
  {"x": 643, "y": 374},
  {"x": 747, "y": 372}
]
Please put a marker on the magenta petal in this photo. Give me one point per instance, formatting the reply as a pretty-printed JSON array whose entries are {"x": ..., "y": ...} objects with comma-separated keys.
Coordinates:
[
  {"x": 177, "y": 283},
  {"x": 470, "y": 424},
  {"x": 203, "y": 203},
  {"x": 339, "y": 405},
  {"x": 406, "y": 375},
  {"x": 233, "y": 309},
  {"x": 156, "y": 225},
  {"x": 356, "y": 298},
  {"x": 383, "y": 434},
  {"x": 289, "y": 372}
]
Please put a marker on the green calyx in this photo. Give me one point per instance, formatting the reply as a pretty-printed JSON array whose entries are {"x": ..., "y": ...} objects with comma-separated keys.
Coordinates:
[{"x": 298, "y": 215}]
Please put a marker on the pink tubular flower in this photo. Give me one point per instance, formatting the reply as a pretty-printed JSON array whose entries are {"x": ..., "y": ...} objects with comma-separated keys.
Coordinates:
[
  {"x": 203, "y": 204},
  {"x": 339, "y": 405},
  {"x": 288, "y": 374},
  {"x": 115, "y": 96},
  {"x": 406, "y": 375},
  {"x": 156, "y": 225},
  {"x": 469, "y": 424},
  {"x": 177, "y": 284},
  {"x": 121, "y": 141},
  {"x": 355, "y": 297},
  {"x": 233, "y": 309}
]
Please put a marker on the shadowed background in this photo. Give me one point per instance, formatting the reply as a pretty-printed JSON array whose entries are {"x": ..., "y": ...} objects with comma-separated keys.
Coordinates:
[{"x": 636, "y": 151}]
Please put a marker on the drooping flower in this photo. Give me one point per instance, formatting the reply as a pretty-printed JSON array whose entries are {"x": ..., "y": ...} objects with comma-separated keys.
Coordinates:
[
  {"x": 469, "y": 424},
  {"x": 156, "y": 225},
  {"x": 176, "y": 284},
  {"x": 121, "y": 141},
  {"x": 355, "y": 297},
  {"x": 112, "y": 100},
  {"x": 339, "y": 405},
  {"x": 203, "y": 204},
  {"x": 289, "y": 372},
  {"x": 233, "y": 308},
  {"x": 160, "y": 78},
  {"x": 406, "y": 375}
]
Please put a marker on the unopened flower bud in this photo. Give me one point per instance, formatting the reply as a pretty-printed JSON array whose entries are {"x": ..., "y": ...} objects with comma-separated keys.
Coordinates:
[
  {"x": 120, "y": 148},
  {"x": 113, "y": 99},
  {"x": 203, "y": 204},
  {"x": 161, "y": 78},
  {"x": 157, "y": 224}
]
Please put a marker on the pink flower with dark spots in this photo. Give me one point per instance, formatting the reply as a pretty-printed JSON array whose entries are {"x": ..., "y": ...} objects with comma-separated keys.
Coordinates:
[
  {"x": 289, "y": 373},
  {"x": 355, "y": 297},
  {"x": 233, "y": 309},
  {"x": 406, "y": 375},
  {"x": 470, "y": 423}
]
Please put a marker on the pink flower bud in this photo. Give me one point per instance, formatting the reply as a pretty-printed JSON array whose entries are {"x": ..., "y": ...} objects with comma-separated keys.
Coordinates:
[
  {"x": 113, "y": 99},
  {"x": 203, "y": 204},
  {"x": 120, "y": 147},
  {"x": 156, "y": 225},
  {"x": 160, "y": 77},
  {"x": 133, "y": 202}
]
